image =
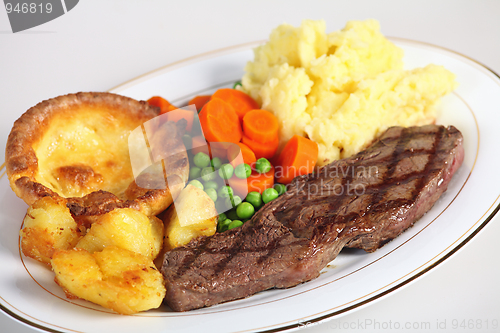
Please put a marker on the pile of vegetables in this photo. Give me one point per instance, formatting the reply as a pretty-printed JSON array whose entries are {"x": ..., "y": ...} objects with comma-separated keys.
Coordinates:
[{"x": 231, "y": 149}]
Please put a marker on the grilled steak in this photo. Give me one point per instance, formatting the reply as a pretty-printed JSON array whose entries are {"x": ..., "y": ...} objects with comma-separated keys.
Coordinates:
[{"x": 363, "y": 201}]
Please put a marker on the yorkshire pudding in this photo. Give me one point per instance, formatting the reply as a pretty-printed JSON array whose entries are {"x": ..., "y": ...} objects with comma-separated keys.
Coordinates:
[{"x": 75, "y": 147}]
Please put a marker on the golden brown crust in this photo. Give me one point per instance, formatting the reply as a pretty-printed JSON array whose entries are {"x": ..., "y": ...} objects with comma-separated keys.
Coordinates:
[
  {"x": 20, "y": 156},
  {"x": 175, "y": 168},
  {"x": 22, "y": 162}
]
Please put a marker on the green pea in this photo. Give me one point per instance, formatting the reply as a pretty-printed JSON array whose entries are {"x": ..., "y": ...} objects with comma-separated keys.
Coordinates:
[
  {"x": 226, "y": 171},
  {"x": 228, "y": 202},
  {"x": 197, "y": 184},
  {"x": 216, "y": 163},
  {"x": 232, "y": 215},
  {"x": 225, "y": 191},
  {"x": 234, "y": 224},
  {"x": 237, "y": 200},
  {"x": 222, "y": 217},
  {"x": 237, "y": 83},
  {"x": 243, "y": 171},
  {"x": 194, "y": 173},
  {"x": 188, "y": 141},
  {"x": 269, "y": 194},
  {"x": 233, "y": 201},
  {"x": 212, "y": 193},
  {"x": 255, "y": 199},
  {"x": 220, "y": 205},
  {"x": 280, "y": 188},
  {"x": 245, "y": 210},
  {"x": 208, "y": 174},
  {"x": 222, "y": 226},
  {"x": 262, "y": 165},
  {"x": 211, "y": 184},
  {"x": 201, "y": 160}
]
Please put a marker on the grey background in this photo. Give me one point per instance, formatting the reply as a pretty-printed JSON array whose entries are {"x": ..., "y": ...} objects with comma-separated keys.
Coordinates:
[{"x": 100, "y": 44}]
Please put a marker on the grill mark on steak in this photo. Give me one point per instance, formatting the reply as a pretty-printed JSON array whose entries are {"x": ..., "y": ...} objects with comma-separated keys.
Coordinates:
[
  {"x": 430, "y": 161},
  {"x": 292, "y": 238},
  {"x": 393, "y": 162},
  {"x": 229, "y": 255},
  {"x": 188, "y": 260}
]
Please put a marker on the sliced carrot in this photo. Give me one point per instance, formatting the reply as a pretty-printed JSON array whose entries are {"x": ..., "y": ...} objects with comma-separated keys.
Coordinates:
[
  {"x": 246, "y": 153},
  {"x": 298, "y": 157},
  {"x": 219, "y": 149},
  {"x": 162, "y": 103},
  {"x": 260, "y": 125},
  {"x": 241, "y": 102},
  {"x": 212, "y": 149},
  {"x": 260, "y": 181},
  {"x": 275, "y": 160},
  {"x": 199, "y": 145},
  {"x": 266, "y": 150},
  {"x": 199, "y": 101},
  {"x": 219, "y": 122},
  {"x": 178, "y": 114},
  {"x": 256, "y": 182},
  {"x": 239, "y": 186}
]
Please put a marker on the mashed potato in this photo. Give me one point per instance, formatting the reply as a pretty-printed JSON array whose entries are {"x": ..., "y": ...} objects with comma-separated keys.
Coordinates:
[{"x": 342, "y": 89}]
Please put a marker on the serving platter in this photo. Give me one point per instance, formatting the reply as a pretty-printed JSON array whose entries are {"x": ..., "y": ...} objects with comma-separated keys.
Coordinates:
[{"x": 353, "y": 280}]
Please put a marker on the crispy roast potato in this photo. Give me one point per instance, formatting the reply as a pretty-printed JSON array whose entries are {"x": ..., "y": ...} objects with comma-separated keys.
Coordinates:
[
  {"x": 115, "y": 278},
  {"x": 75, "y": 147},
  {"x": 48, "y": 225},
  {"x": 128, "y": 229},
  {"x": 192, "y": 215}
]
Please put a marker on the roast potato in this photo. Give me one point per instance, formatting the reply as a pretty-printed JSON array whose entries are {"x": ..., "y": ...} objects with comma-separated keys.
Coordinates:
[
  {"x": 114, "y": 278},
  {"x": 48, "y": 225},
  {"x": 192, "y": 215},
  {"x": 128, "y": 229}
]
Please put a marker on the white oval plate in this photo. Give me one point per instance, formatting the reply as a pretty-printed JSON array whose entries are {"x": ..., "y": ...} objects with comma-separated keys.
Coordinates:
[{"x": 352, "y": 280}]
